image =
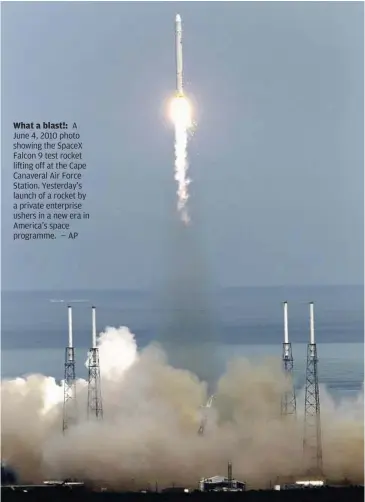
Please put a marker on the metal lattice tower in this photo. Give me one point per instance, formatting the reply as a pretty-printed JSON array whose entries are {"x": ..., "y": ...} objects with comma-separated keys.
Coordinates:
[
  {"x": 288, "y": 399},
  {"x": 94, "y": 402},
  {"x": 205, "y": 418},
  {"x": 69, "y": 393},
  {"x": 312, "y": 441}
]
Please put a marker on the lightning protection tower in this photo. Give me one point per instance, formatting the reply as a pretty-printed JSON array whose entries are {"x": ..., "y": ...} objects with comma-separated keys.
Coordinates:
[
  {"x": 69, "y": 393},
  {"x": 288, "y": 399},
  {"x": 312, "y": 441},
  {"x": 94, "y": 402}
]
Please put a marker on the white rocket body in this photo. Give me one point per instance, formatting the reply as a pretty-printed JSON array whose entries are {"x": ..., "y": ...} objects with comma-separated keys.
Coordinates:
[{"x": 179, "y": 56}]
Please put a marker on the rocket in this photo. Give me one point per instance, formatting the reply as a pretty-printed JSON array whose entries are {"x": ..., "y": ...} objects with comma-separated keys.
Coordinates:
[{"x": 179, "y": 57}]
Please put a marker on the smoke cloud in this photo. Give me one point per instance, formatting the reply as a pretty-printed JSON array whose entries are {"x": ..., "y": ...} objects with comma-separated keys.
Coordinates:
[{"x": 152, "y": 413}]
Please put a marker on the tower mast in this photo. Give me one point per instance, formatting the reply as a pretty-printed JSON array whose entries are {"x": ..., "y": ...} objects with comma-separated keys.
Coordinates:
[
  {"x": 288, "y": 399},
  {"x": 312, "y": 441},
  {"x": 69, "y": 393},
  {"x": 94, "y": 401}
]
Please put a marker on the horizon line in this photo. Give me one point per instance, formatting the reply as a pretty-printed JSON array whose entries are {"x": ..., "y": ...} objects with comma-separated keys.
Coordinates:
[{"x": 148, "y": 289}]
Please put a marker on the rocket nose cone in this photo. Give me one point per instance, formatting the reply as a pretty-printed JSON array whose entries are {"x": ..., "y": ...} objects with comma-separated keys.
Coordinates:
[{"x": 178, "y": 18}]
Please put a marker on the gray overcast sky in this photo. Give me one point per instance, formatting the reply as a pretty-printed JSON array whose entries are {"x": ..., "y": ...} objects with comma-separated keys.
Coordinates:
[{"x": 277, "y": 159}]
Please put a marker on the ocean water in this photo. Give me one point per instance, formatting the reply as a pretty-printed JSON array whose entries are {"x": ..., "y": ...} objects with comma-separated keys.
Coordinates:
[{"x": 244, "y": 322}]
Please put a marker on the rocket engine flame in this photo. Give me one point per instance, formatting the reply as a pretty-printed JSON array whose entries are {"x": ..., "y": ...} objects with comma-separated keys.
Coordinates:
[{"x": 181, "y": 116}]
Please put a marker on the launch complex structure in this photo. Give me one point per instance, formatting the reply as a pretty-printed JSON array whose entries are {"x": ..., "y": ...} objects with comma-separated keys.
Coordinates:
[
  {"x": 94, "y": 401},
  {"x": 312, "y": 441}
]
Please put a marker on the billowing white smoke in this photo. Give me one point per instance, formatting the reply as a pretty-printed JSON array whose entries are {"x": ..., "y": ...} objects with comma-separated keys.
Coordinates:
[
  {"x": 118, "y": 351},
  {"x": 152, "y": 413}
]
